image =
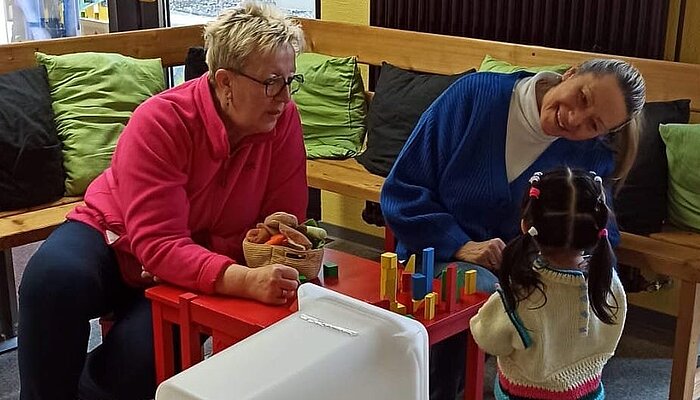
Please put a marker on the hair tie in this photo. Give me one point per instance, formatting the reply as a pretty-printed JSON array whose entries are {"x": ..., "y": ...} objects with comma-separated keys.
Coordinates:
[
  {"x": 534, "y": 192},
  {"x": 532, "y": 231},
  {"x": 598, "y": 179},
  {"x": 535, "y": 177},
  {"x": 603, "y": 233}
]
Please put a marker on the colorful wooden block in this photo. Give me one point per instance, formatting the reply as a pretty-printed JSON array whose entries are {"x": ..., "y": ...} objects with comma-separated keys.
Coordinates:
[
  {"x": 330, "y": 269},
  {"x": 416, "y": 305},
  {"x": 387, "y": 278},
  {"x": 437, "y": 288},
  {"x": 460, "y": 284},
  {"x": 389, "y": 260},
  {"x": 392, "y": 284},
  {"x": 398, "y": 308},
  {"x": 411, "y": 264},
  {"x": 418, "y": 286},
  {"x": 429, "y": 306},
  {"x": 428, "y": 267},
  {"x": 470, "y": 282},
  {"x": 405, "y": 286},
  {"x": 451, "y": 288},
  {"x": 385, "y": 304}
]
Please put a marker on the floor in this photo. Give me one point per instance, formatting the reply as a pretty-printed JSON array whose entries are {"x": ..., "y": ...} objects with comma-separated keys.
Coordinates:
[{"x": 640, "y": 370}]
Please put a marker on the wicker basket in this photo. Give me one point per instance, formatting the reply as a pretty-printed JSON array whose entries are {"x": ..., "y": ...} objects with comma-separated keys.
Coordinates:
[{"x": 308, "y": 262}]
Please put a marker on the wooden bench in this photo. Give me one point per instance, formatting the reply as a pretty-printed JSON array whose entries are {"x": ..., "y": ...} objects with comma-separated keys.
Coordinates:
[{"x": 676, "y": 254}]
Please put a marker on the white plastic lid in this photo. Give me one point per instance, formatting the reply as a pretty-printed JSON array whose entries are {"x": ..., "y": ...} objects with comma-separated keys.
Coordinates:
[{"x": 334, "y": 347}]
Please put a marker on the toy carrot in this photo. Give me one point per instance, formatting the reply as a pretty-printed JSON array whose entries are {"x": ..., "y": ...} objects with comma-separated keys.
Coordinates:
[{"x": 278, "y": 239}]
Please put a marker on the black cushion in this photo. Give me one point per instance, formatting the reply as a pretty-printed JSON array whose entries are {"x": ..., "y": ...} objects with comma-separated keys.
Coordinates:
[
  {"x": 195, "y": 63},
  {"x": 640, "y": 205},
  {"x": 400, "y": 98},
  {"x": 31, "y": 162}
]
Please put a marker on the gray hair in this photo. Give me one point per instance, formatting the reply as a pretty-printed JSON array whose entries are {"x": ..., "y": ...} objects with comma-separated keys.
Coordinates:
[
  {"x": 247, "y": 29},
  {"x": 625, "y": 140},
  {"x": 628, "y": 77}
]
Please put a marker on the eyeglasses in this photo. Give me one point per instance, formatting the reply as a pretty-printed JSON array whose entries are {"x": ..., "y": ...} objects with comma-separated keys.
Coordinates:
[{"x": 274, "y": 86}]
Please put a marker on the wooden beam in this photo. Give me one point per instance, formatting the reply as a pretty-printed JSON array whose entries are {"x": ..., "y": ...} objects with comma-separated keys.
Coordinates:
[
  {"x": 449, "y": 55},
  {"x": 341, "y": 177},
  {"x": 685, "y": 348},
  {"x": 168, "y": 44},
  {"x": 32, "y": 226},
  {"x": 664, "y": 258},
  {"x": 683, "y": 238},
  {"x": 61, "y": 201}
]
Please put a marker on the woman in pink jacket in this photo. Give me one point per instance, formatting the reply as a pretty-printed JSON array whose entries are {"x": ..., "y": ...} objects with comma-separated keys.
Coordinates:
[{"x": 195, "y": 168}]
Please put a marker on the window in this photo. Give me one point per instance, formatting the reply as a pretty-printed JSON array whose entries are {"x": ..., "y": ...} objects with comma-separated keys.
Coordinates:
[
  {"x": 190, "y": 12},
  {"x": 193, "y": 12},
  {"x": 23, "y": 20}
]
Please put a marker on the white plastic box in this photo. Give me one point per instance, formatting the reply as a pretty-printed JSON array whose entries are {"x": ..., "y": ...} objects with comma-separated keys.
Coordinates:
[{"x": 334, "y": 347}]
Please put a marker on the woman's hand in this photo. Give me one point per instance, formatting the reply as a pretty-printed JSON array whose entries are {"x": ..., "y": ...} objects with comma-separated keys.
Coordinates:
[
  {"x": 272, "y": 284},
  {"x": 488, "y": 254}
]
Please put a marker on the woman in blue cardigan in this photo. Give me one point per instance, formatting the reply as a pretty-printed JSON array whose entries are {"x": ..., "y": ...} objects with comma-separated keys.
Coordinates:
[{"x": 457, "y": 184}]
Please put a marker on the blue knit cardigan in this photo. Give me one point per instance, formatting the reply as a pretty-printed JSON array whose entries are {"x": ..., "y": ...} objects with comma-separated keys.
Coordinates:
[{"x": 449, "y": 183}]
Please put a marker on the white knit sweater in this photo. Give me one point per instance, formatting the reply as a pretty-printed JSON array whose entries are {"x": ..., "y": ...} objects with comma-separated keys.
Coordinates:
[{"x": 560, "y": 346}]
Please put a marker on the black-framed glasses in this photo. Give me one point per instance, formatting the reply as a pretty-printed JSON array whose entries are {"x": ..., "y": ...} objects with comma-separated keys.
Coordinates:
[{"x": 274, "y": 86}]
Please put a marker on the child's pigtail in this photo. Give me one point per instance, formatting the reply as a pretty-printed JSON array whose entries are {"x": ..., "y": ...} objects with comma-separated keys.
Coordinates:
[
  {"x": 601, "y": 264},
  {"x": 518, "y": 278}
]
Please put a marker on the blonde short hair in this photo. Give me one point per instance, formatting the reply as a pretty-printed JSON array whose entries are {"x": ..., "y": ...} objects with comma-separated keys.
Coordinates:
[{"x": 247, "y": 29}]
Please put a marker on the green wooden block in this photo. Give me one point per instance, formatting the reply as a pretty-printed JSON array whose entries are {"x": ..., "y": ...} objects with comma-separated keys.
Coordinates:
[
  {"x": 330, "y": 269},
  {"x": 460, "y": 284}
]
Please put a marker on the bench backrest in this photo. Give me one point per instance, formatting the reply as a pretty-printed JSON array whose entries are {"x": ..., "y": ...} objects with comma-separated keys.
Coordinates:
[
  {"x": 448, "y": 55},
  {"x": 410, "y": 50}
]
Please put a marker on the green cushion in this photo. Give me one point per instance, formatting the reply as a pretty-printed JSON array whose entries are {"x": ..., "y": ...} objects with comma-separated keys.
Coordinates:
[
  {"x": 683, "y": 152},
  {"x": 93, "y": 96},
  {"x": 332, "y": 105},
  {"x": 491, "y": 64}
]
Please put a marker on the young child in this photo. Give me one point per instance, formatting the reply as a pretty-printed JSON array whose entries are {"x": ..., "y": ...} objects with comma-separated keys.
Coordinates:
[{"x": 558, "y": 314}]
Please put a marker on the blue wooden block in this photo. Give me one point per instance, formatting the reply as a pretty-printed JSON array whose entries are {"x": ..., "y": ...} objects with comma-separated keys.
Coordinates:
[
  {"x": 418, "y": 286},
  {"x": 428, "y": 268}
]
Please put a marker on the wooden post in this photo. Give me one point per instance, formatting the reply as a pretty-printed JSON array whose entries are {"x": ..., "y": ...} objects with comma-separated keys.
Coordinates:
[{"x": 685, "y": 349}]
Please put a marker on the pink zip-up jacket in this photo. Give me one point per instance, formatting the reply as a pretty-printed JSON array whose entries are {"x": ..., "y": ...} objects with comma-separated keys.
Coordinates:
[{"x": 178, "y": 200}]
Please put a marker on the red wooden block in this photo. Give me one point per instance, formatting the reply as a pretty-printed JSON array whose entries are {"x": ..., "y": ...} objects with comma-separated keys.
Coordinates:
[
  {"x": 437, "y": 288},
  {"x": 451, "y": 299},
  {"x": 405, "y": 282},
  {"x": 385, "y": 304}
]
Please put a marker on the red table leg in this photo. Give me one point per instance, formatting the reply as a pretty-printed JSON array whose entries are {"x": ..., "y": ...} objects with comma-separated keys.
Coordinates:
[
  {"x": 474, "y": 380},
  {"x": 189, "y": 334},
  {"x": 163, "y": 343}
]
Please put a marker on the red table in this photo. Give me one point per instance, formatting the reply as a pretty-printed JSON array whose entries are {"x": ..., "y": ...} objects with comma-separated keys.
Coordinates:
[{"x": 229, "y": 320}]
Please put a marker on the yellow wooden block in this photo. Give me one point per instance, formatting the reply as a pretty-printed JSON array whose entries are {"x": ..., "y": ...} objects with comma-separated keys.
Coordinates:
[
  {"x": 391, "y": 284},
  {"x": 411, "y": 264},
  {"x": 387, "y": 277},
  {"x": 397, "y": 308},
  {"x": 470, "y": 282},
  {"x": 417, "y": 304},
  {"x": 389, "y": 260},
  {"x": 383, "y": 276},
  {"x": 429, "y": 306}
]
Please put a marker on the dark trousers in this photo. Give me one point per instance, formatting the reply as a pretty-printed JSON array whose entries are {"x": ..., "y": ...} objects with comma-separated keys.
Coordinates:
[{"x": 73, "y": 278}]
